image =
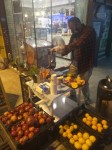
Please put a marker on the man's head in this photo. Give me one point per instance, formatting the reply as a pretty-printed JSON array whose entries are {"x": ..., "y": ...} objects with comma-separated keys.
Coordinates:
[{"x": 74, "y": 24}]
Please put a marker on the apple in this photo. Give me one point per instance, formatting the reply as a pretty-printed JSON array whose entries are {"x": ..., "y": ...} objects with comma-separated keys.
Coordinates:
[
  {"x": 25, "y": 115},
  {"x": 26, "y": 103},
  {"x": 12, "y": 111},
  {"x": 31, "y": 111},
  {"x": 27, "y": 108},
  {"x": 30, "y": 121},
  {"x": 19, "y": 117},
  {"x": 22, "y": 122},
  {"x": 40, "y": 113},
  {"x": 31, "y": 105},
  {"x": 31, "y": 129},
  {"x": 4, "y": 119},
  {"x": 21, "y": 141},
  {"x": 17, "y": 138},
  {"x": 26, "y": 132},
  {"x": 13, "y": 118},
  {"x": 48, "y": 120},
  {"x": 30, "y": 135},
  {"x": 25, "y": 138},
  {"x": 18, "y": 129},
  {"x": 9, "y": 116},
  {"x": 41, "y": 121},
  {"x": 36, "y": 130},
  {"x": 8, "y": 123},
  {"x": 13, "y": 128},
  {"x": 13, "y": 133},
  {"x": 6, "y": 113},
  {"x": 36, "y": 115},
  {"x": 20, "y": 133},
  {"x": 21, "y": 111},
  {"x": 24, "y": 127}
]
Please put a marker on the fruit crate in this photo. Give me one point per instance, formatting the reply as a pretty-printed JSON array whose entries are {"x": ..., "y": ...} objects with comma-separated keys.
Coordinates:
[
  {"x": 65, "y": 141},
  {"x": 83, "y": 112},
  {"x": 16, "y": 114},
  {"x": 24, "y": 134}
]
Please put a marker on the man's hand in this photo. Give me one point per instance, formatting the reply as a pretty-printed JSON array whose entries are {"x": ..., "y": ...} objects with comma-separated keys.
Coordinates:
[{"x": 58, "y": 49}]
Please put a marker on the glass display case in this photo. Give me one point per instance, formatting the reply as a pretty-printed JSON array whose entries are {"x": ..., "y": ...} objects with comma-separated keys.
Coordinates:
[{"x": 38, "y": 23}]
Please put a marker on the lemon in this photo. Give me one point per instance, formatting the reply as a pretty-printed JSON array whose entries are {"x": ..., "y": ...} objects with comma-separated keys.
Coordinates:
[
  {"x": 69, "y": 135},
  {"x": 60, "y": 127},
  {"x": 72, "y": 141},
  {"x": 68, "y": 131},
  {"x": 71, "y": 128},
  {"x": 88, "y": 142},
  {"x": 81, "y": 140},
  {"x": 75, "y": 126},
  {"x": 105, "y": 126},
  {"x": 100, "y": 129},
  {"x": 61, "y": 131},
  {"x": 75, "y": 137},
  {"x": 86, "y": 115},
  {"x": 92, "y": 138},
  {"x": 77, "y": 145},
  {"x": 84, "y": 120},
  {"x": 66, "y": 127},
  {"x": 94, "y": 127},
  {"x": 64, "y": 134},
  {"x": 95, "y": 119},
  {"x": 79, "y": 134},
  {"x": 88, "y": 122},
  {"x": 86, "y": 135},
  {"x": 85, "y": 147},
  {"x": 89, "y": 118},
  {"x": 94, "y": 122},
  {"x": 104, "y": 122}
]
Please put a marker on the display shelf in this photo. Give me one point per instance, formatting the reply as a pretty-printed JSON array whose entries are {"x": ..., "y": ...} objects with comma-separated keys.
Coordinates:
[{"x": 4, "y": 103}]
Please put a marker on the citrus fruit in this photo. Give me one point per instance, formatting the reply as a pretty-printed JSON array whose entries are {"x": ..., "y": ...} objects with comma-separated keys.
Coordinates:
[
  {"x": 71, "y": 128},
  {"x": 79, "y": 134},
  {"x": 85, "y": 147},
  {"x": 61, "y": 131},
  {"x": 84, "y": 120},
  {"x": 77, "y": 145},
  {"x": 72, "y": 141},
  {"x": 81, "y": 140},
  {"x": 75, "y": 137},
  {"x": 94, "y": 127},
  {"x": 75, "y": 126},
  {"x": 86, "y": 135},
  {"x": 94, "y": 118},
  {"x": 69, "y": 135},
  {"x": 104, "y": 122},
  {"x": 88, "y": 122},
  {"x": 88, "y": 142},
  {"x": 66, "y": 127},
  {"x": 86, "y": 115},
  {"x": 94, "y": 122},
  {"x": 60, "y": 126},
  {"x": 92, "y": 138},
  {"x": 89, "y": 118},
  {"x": 105, "y": 126},
  {"x": 68, "y": 131},
  {"x": 64, "y": 134}
]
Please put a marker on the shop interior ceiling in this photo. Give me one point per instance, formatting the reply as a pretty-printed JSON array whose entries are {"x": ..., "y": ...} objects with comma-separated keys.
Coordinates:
[{"x": 38, "y": 3}]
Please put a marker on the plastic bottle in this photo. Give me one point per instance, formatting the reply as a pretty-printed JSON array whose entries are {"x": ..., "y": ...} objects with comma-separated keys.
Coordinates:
[{"x": 53, "y": 84}]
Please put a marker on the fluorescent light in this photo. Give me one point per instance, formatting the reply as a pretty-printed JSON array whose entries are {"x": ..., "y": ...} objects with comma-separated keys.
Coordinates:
[{"x": 26, "y": 15}]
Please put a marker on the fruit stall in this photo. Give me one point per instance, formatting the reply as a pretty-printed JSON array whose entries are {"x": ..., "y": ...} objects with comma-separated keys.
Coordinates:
[{"x": 55, "y": 121}]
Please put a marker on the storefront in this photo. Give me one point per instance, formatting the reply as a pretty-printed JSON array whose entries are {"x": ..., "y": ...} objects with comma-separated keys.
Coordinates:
[{"x": 34, "y": 26}]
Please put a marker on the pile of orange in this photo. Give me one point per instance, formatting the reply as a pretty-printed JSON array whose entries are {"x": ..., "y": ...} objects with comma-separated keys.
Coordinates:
[
  {"x": 94, "y": 123},
  {"x": 74, "y": 82},
  {"x": 82, "y": 141}
]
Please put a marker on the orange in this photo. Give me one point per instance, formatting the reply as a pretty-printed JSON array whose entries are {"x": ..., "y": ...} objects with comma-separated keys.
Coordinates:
[
  {"x": 75, "y": 137},
  {"x": 74, "y": 85},
  {"x": 94, "y": 122},
  {"x": 105, "y": 126},
  {"x": 89, "y": 118},
  {"x": 86, "y": 115},
  {"x": 94, "y": 127},
  {"x": 100, "y": 129},
  {"x": 94, "y": 118},
  {"x": 99, "y": 125},
  {"x": 84, "y": 120},
  {"x": 104, "y": 122},
  {"x": 88, "y": 123},
  {"x": 79, "y": 134},
  {"x": 92, "y": 138}
]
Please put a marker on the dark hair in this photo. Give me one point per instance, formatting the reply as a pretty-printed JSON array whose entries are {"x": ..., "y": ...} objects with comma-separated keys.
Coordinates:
[{"x": 74, "y": 20}]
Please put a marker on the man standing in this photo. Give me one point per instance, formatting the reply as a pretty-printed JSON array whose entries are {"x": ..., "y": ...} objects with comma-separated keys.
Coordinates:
[{"x": 82, "y": 45}]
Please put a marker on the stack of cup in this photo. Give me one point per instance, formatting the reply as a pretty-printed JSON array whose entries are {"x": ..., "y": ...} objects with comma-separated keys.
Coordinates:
[{"x": 53, "y": 84}]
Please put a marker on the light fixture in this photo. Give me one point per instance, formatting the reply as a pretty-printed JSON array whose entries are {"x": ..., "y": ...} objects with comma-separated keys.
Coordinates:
[
  {"x": 54, "y": 105},
  {"x": 63, "y": 100},
  {"x": 37, "y": 13},
  {"x": 42, "y": 13},
  {"x": 26, "y": 15}
]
